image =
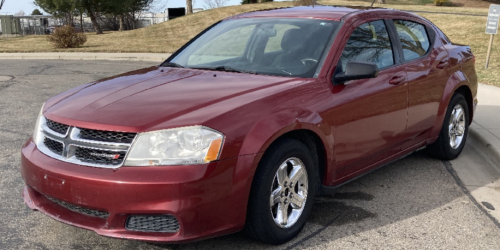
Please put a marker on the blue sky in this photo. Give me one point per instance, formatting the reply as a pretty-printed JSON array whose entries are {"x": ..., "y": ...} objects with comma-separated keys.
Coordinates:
[{"x": 13, "y": 6}]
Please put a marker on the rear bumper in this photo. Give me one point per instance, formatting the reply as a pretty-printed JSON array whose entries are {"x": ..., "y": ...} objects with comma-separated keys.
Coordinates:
[{"x": 206, "y": 199}]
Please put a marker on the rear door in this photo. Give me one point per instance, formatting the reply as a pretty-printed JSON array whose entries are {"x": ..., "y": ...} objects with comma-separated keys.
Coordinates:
[
  {"x": 370, "y": 114},
  {"x": 425, "y": 61}
]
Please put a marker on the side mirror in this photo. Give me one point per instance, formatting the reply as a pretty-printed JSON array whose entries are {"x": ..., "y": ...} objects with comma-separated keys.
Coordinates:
[{"x": 356, "y": 70}]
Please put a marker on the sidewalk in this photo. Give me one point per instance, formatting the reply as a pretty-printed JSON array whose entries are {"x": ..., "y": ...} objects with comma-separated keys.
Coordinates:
[
  {"x": 478, "y": 167},
  {"x": 147, "y": 57},
  {"x": 486, "y": 124}
]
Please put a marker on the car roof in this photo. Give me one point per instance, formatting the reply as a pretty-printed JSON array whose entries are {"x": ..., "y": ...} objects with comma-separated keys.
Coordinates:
[{"x": 318, "y": 11}]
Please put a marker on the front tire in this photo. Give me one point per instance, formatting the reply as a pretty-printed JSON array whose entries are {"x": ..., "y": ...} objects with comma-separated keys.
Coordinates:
[
  {"x": 282, "y": 194},
  {"x": 454, "y": 132}
]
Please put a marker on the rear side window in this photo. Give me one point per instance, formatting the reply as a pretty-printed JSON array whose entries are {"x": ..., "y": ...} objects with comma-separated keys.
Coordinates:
[
  {"x": 414, "y": 39},
  {"x": 369, "y": 42}
]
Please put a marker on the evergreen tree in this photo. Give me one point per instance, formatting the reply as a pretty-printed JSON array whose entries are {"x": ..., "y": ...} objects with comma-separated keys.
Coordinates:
[{"x": 36, "y": 12}]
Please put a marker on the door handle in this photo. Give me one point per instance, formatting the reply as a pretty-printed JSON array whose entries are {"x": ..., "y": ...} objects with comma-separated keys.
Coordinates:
[
  {"x": 397, "y": 80},
  {"x": 443, "y": 64}
]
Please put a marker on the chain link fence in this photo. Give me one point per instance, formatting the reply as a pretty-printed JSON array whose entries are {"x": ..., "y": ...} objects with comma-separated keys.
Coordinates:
[{"x": 41, "y": 25}]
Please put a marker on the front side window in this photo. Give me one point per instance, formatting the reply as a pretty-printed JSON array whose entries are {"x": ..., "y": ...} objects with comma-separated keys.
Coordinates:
[
  {"x": 414, "y": 39},
  {"x": 267, "y": 46},
  {"x": 369, "y": 42}
]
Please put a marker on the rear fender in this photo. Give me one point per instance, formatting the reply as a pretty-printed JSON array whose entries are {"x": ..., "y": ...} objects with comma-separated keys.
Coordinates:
[{"x": 455, "y": 81}]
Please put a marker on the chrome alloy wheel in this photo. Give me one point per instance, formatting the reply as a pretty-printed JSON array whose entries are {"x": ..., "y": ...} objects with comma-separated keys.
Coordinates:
[
  {"x": 289, "y": 192},
  {"x": 456, "y": 128}
]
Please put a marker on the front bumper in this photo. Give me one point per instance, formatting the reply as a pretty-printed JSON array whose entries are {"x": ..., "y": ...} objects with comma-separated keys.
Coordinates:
[{"x": 207, "y": 200}]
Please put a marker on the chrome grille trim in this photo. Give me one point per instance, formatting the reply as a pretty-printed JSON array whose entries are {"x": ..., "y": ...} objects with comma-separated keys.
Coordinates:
[
  {"x": 71, "y": 140},
  {"x": 47, "y": 140},
  {"x": 56, "y": 124}
]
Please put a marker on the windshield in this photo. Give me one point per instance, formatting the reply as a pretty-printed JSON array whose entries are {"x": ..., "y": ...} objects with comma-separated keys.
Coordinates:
[{"x": 267, "y": 46}]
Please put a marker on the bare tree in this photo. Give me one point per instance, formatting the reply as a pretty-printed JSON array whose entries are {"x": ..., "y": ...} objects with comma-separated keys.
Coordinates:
[
  {"x": 1, "y": 3},
  {"x": 158, "y": 6},
  {"x": 212, "y": 4},
  {"x": 189, "y": 7}
]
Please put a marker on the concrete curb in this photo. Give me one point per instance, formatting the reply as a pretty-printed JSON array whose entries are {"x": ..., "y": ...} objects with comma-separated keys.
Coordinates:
[
  {"x": 142, "y": 57},
  {"x": 486, "y": 142}
]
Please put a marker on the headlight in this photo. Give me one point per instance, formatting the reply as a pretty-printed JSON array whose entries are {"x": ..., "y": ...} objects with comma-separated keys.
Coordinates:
[
  {"x": 38, "y": 126},
  {"x": 180, "y": 146}
]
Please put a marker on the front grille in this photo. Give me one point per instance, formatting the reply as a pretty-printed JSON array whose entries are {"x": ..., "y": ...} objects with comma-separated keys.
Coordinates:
[
  {"x": 86, "y": 147},
  {"x": 107, "y": 136},
  {"x": 102, "y": 157},
  {"x": 153, "y": 223},
  {"x": 53, "y": 146},
  {"x": 57, "y": 127},
  {"x": 81, "y": 210}
]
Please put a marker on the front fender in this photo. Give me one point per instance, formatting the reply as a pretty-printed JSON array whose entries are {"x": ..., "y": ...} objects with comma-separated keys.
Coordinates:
[
  {"x": 271, "y": 127},
  {"x": 267, "y": 130}
]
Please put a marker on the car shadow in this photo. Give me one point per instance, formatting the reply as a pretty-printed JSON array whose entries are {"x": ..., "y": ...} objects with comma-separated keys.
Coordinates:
[{"x": 404, "y": 189}]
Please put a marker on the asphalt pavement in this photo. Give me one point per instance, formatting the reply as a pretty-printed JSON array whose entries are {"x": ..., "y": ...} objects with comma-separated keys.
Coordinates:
[{"x": 414, "y": 203}]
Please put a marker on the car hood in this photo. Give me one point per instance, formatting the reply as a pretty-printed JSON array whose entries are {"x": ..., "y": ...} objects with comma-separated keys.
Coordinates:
[{"x": 142, "y": 100}]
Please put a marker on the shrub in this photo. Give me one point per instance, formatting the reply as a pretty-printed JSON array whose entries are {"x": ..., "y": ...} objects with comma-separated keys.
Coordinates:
[
  {"x": 440, "y": 2},
  {"x": 66, "y": 37}
]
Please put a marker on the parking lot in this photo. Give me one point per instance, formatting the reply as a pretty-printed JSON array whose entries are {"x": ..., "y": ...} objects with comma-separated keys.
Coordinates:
[{"x": 414, "y": 203}]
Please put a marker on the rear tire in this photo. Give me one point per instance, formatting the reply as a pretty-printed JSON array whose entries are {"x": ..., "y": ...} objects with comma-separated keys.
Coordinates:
[
  {"x": 285, "y": 179},
  {"x": 454, "y": 132}
]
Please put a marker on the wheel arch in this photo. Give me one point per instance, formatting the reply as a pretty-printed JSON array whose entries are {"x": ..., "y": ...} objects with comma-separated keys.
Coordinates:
[
  {"x": 467, "y": 93},
  {"x": 457, "y": 83},
  {"x": 303, "y": 125},
  {"x": 313, "y": 142}
]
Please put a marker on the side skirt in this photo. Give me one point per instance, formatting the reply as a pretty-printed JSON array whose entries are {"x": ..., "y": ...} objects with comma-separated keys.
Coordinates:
[{"x": 331, "y": 190}]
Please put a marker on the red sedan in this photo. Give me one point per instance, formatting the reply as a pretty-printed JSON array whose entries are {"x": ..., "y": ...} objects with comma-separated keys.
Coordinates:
[{"x": 244, "y": 125}]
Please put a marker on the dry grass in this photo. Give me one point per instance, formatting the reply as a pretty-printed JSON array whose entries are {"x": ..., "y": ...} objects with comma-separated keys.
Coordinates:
[
  {"x": 169, "y": 36},
  {"x": 470, "y": 30},
  {"x": 160, "y": 38}
]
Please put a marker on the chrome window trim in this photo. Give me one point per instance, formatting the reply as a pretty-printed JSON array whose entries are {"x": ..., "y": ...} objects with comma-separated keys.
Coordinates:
[{"x": 72, "y": 140}]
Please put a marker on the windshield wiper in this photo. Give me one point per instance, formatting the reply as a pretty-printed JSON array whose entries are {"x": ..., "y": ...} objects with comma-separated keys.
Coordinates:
[
  {"x": 228, "y": 69},
  {"x": 172, "y": 64}
]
